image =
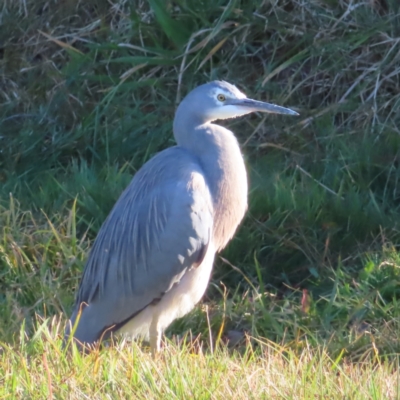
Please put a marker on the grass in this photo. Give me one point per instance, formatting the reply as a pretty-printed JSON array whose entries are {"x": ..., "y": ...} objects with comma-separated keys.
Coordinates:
[
  {"x": 261, "y": 342},
  {"x": 124, "y": 371},
  {"x": 87, "y": 94}
]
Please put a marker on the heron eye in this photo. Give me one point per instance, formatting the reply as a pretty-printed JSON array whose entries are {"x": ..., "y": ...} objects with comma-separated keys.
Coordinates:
[{"x": 221, "y": 97}]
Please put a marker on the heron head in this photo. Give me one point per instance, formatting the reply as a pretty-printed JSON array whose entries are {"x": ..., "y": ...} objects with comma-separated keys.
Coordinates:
[{"x": 221, "y": 100}]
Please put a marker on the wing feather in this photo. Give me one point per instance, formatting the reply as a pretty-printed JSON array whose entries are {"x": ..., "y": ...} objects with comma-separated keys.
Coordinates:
[{"x": 159, "y": 228}]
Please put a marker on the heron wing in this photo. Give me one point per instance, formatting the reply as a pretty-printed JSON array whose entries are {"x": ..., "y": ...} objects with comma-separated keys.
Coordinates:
[{"x": 159, "y": 228}]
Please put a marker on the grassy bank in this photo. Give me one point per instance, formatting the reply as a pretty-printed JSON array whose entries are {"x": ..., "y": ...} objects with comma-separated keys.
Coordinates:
[
  {"x": 89, "y": 91},
  {"x": 267, "y": 372},
  {"x": 87, "y": 95}
]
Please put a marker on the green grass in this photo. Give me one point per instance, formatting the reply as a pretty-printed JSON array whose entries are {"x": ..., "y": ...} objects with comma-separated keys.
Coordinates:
[
  {"x": 268, "y": 371},
  {"x": 87, "y": 95}
]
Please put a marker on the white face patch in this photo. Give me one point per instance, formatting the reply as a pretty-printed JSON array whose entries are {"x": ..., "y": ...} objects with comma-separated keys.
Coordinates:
[
  {"x": 223, "y": 111},
  {"x": 228, "y": 94}
]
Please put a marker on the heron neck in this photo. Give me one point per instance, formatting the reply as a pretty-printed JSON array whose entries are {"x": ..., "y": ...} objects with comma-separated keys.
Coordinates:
[{"x": 220, "y": 157}]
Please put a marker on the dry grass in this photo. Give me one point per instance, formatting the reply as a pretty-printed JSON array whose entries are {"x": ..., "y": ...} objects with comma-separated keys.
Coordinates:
[{"x": 41, "y": 369}]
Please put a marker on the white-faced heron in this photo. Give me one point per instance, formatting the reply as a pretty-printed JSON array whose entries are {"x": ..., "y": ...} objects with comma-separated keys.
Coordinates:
[{"x": 152, "y": 259}]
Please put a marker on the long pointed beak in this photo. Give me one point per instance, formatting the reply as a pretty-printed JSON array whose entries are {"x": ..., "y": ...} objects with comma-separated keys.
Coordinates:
[{"x": 255, "y": 105}]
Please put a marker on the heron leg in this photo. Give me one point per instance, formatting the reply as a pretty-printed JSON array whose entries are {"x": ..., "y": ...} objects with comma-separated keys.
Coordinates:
[{"x": 155, "y": 337}]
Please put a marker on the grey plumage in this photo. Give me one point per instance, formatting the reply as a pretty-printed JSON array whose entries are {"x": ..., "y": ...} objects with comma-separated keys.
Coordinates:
[{"x": 153, "y": 256}]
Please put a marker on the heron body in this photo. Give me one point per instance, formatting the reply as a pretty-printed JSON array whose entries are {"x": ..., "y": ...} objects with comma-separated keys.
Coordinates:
[{"x": 153, "y": 256}]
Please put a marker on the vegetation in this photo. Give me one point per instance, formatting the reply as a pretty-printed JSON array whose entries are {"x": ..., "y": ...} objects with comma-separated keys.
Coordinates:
[{"x": 310, "y": 285}]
